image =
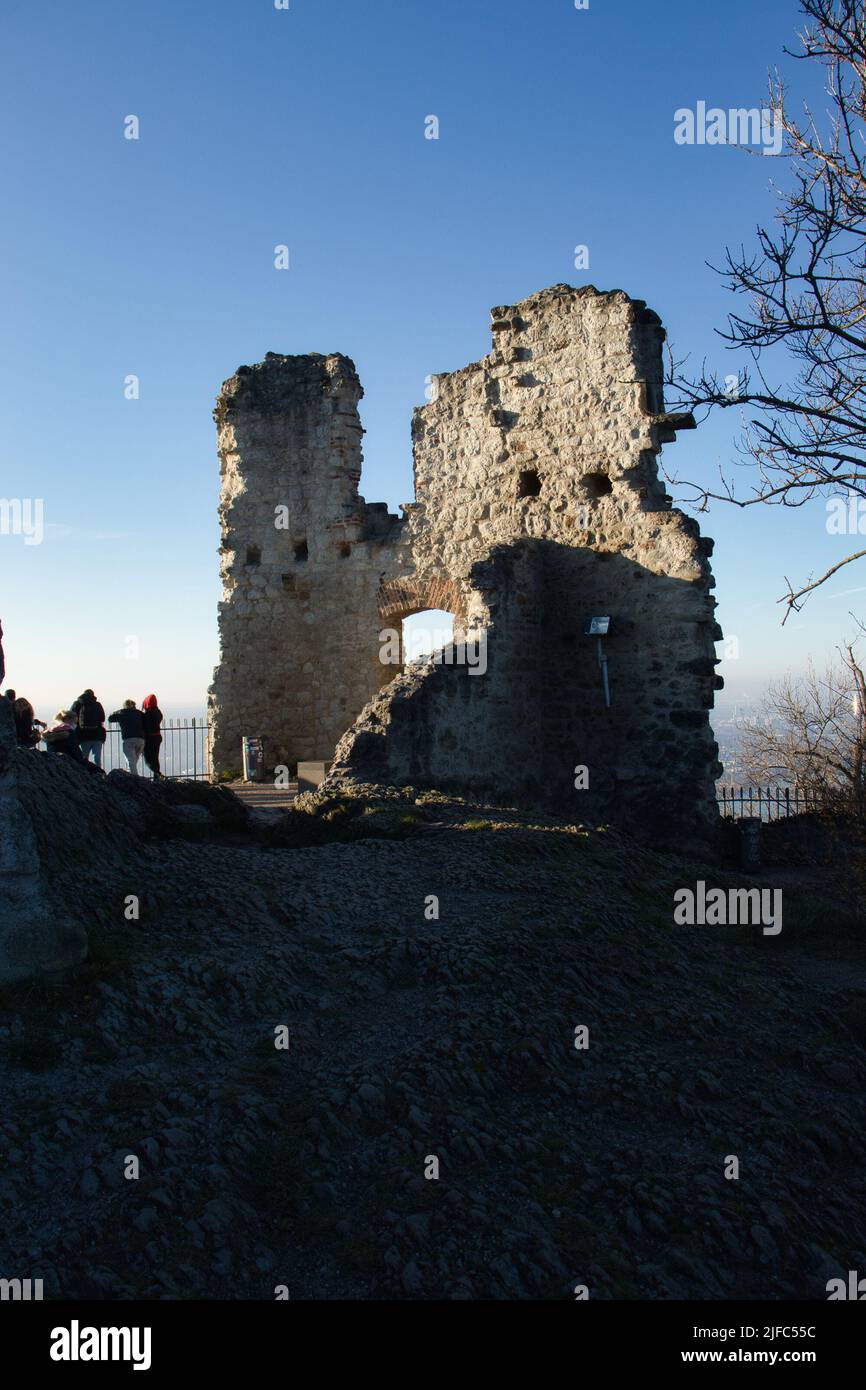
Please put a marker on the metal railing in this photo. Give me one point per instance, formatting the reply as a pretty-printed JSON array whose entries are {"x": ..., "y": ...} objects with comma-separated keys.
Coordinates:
[
  {"x": 765, "y": 803},
  {"x": 184, "y": 751}
]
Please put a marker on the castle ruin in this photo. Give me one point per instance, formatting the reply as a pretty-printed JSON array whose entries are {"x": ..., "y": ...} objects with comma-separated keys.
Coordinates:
[{"x": 538, "y": 506}]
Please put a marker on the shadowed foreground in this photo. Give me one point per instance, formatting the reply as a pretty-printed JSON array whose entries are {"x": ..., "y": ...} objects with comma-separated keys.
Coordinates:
[{"x": 412, "y": 1038}]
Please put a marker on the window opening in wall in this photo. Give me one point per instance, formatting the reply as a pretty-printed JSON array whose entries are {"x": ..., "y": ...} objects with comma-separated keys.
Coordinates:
[
  {"x": 425, "y": 633},
  {"x": 597, "y": 484},
  {"x": 301, "y": 551},
  {"x": 529, "y": 483},
  {"x": 254, "y": 555}
]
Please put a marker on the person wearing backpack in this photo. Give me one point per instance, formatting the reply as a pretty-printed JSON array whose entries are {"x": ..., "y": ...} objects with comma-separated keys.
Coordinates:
[
  {"x": 131, "y": 731},
  {"x": 91, "y": 727},
  {"x": 151, "y": 715}
]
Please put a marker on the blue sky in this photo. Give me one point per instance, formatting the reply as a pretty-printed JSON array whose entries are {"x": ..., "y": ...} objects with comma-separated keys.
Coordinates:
[{"x": 155, "y": 257}]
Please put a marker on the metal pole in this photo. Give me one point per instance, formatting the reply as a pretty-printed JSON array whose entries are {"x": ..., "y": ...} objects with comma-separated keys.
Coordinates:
[{"x": 602, "y": 661}]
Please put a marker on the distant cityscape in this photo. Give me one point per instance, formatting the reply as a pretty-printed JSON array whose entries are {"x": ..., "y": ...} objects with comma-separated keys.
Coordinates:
[{"x": 727, "y": 719}]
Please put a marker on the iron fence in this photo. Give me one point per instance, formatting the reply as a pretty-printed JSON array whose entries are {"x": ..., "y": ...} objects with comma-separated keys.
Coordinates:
[
  {"x": 765, "y": 803},
  {"x": 184, "y": 752}
]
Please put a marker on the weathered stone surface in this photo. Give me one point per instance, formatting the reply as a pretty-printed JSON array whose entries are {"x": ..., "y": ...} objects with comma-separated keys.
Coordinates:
[
  {"x": 298, "y": 623},
  {"x": 538, "y": 505},
  {"x": 310, "y": 776}
]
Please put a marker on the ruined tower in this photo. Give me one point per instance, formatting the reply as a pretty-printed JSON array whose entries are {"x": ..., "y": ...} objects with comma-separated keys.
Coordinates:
[
  {"x": 537, "y": 507},
  {"x": 302, "y": 557}
]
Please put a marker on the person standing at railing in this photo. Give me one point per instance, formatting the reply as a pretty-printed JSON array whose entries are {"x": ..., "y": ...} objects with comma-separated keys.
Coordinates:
[
  {"x": 151, "y": 715},
  {"x": 131, "y": 731},
  {"x": 91, "y": 726}
]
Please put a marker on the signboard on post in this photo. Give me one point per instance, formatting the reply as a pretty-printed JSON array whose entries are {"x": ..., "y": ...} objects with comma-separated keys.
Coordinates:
[
  {"x": 253, "y": 759},
  {"x": 600, "y": 627}
]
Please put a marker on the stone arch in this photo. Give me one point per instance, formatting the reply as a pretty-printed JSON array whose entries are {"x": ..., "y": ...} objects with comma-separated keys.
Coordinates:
[{"x": 399, "y": 598}]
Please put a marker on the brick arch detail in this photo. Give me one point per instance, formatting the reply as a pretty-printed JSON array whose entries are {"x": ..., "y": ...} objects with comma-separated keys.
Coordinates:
[{"x": 398, "y": 598}]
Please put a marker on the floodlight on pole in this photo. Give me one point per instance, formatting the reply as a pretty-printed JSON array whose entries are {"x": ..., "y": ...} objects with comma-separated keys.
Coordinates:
[{"x": 600, "y": 627}]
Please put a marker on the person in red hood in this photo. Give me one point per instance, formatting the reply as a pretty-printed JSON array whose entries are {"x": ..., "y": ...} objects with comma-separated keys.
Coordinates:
[{"x": 152, "y": 717}]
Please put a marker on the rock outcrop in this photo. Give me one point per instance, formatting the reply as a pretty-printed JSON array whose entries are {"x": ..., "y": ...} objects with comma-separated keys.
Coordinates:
[
  {"x": 37, "y": 939},
  {"x": 70, "y": 843}
]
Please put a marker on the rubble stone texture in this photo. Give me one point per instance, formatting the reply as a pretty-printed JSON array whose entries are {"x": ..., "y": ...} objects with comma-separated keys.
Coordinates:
[
  {"x": 409, "y": 1036},
  {"x": 537, "y": 506}
]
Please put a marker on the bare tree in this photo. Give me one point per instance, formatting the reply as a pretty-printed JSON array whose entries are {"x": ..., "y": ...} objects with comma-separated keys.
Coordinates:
[
  {"x": 810, "y": 733},
  {"x": 805, "y": 287}
]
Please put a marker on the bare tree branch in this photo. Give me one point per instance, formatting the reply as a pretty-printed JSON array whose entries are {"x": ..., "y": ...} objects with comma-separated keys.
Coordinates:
[
  {"x": 794, "y": 599},
  {"x": 810, "y": 733},
  {"x": 804, "y": 289}
]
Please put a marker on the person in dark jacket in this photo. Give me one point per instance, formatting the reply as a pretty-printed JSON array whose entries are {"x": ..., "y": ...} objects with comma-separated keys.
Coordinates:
[
  {"x": 73, "y": 714},
  {"x": 131, "y": 731},
  {"x": 152, "y": 719},
  {"x": 91, "y": 726}
]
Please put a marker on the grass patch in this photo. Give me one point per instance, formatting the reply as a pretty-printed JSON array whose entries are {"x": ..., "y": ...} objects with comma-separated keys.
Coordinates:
[
  {"x": 854, "y": 1017},
  {"x": 36, "y": 1052},
  {"x": 277, "y": 1180},
  {"x": 129, "y": 1094},
  {"x": 34, "y": 999},
  {"x": 359, "y": 1254},
  {"x": 822, "y": 928},
  {"x": 112, "y": 950}
]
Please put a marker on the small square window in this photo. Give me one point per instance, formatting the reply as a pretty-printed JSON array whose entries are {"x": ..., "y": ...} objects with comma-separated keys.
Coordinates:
[
  {"x": 597, "y": 484},
  {"x": 529, "y": 484}
]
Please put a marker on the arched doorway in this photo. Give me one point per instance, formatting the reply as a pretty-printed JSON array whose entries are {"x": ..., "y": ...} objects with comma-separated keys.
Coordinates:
[{"x": 417, "y": 618}]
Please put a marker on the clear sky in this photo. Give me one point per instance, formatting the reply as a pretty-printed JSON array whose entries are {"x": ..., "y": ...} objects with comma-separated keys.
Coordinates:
[{"x": 306, "y": 127}]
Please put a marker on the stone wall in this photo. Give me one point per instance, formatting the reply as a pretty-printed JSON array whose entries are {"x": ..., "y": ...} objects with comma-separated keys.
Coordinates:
[{"x": 537, "y": 506}]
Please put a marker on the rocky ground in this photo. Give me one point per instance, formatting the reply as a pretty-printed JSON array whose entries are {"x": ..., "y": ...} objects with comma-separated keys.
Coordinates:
[{"x": 410, "y": 1038}]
